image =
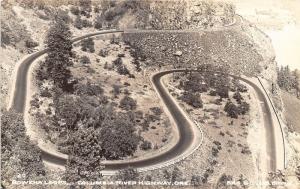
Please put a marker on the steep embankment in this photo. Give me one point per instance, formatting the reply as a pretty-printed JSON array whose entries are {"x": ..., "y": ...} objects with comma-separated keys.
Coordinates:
[{"x": 242, "y": 47}]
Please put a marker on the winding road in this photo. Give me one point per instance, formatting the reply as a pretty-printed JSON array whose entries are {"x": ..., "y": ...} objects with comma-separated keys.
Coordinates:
[{"x": 190, "y": 135}]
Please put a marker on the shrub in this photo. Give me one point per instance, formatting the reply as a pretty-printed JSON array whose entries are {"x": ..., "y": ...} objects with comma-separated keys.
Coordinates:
[
  {"x": 97, "y": 9},
  {"x": 242, "y": 88},
  {"x": 156, "y": 110},
  {"x": 116, "y": 90},
  {"x": 215, "y": 152},
  {"x": 35, "y": 102},
  {"x": 223, "y": 91},
  {"x": 88, "y": 89},
  {"x": 85, "y": 7},
  {"x": 105, "y": 65},
  {"x": 128, "y": 103},
  {"x": 78, "y": 23},
  {"x": 98, "y": 22},
  {"x": 146, "y": 145},
  {"x": 118, "y": 62},
  {"x": 121, "y": 55},
  {"x": 238, "y": 97},
  {"x": 85, "y": 60},
  {"x": 122, "y": 70},
  {"x": 128, "y": 174},
  {"x": 245, "y": 150},
  {"x": 212, "y": 93},
  {"x": 244, "y": 107},
  {"x": 46, "y": 93},
  {"x": 196, "y": 180},
  {"x": 103, "y": 52},
  {"x": 86, "y": 23},
  {"x": 31, "y": 44}
]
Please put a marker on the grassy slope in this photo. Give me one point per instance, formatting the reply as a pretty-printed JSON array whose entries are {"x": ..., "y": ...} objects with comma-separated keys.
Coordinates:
[{"x": 292, "y": 113}]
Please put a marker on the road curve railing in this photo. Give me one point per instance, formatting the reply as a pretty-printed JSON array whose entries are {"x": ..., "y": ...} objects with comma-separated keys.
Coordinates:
[{"x": 279, "y": 122}]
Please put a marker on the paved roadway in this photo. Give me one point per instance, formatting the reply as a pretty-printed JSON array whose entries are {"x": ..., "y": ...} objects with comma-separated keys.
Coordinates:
[{"x": 186, "y": 135}]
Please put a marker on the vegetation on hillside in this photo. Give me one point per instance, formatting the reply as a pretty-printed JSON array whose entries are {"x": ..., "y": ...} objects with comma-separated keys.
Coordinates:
[
  {"x": 20, "y": 158},
  {"x": 215, "y": 82},
  {"x": 289, "y": 80}
]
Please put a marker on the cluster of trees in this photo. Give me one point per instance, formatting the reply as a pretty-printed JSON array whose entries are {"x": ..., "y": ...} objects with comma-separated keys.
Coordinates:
[
  {"x": 90, "y": 129},
  {"x": 96, "y": 132},
  {"x": 85, "y": 8},
  {"x": 20, "y": 158},
  {"x": 218, "y": 82},
  {"x": 128, "y": 174},
  {"x": 234, "y": 111},
  {"x": 203, "y": 81},
  {"x": 80, "y": 23},
  {"x": 289, "y": 80}
]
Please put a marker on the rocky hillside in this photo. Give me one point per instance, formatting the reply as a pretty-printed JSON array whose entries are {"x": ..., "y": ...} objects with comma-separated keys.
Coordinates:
[{"x": 241, "y": 47}]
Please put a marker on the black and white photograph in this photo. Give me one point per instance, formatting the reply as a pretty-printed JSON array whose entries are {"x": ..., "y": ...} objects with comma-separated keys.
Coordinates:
[{"x": 150, "y": 94}]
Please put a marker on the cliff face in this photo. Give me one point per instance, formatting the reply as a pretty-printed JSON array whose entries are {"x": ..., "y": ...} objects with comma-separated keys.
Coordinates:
[
  {"x": 183, "y": 14},
  {"x": 241, "y": 47}
]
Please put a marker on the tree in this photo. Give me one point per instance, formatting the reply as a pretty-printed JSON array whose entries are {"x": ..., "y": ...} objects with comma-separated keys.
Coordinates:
[
  {"x": 88, "y": 45},
  {"x": 223, "y": 91},
  {"x": 118, "y": 138},
  {"x": 75, "y": 10},
  {"x": 67, "y": 113},
  {"x": 128, "y": 103},
  {"x": 296, "y": 82},
  {"x": 98, "y": 22},
  {"x": 231, "y": 109},
  {"x": 57, "y": 63},
  {"x": 78, "y": 22},
  {"x": 284, "y": 78},
  {"x": 116, "y": 90},
  {"x": 85, "y": 7},
  {"x": 193, "y": 99}
]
